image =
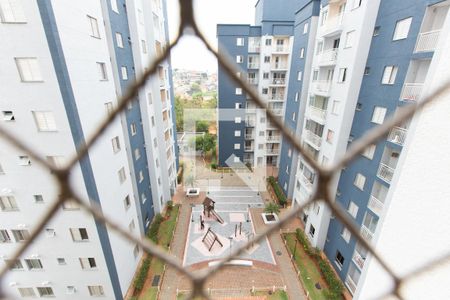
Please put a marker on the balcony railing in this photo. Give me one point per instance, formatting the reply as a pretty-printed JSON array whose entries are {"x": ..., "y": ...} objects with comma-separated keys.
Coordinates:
[
  {"x": 366, "y": 233},
  {"x": 411, "y": 91},
  {"x": 249, "y": 136},
  {"x": 248, "y": 160},
  {"x": 358, "y": 259},
  {"x": 279, "y": 96},
  {"x": 166, "y": 124},
  {"x": 397, "y": 135},
  {"x": 321, "y": 87},
  {"x": 427, "y": 41},
  {"x": 328, "y": 57},
  {"x": 273, "y": 151},
  {"x": 279, "y": 66},
  {"x": 306, "y": 181},
  {"x": 317, "y": 114},
  {"x": 253, "y": 65},
  {"x": 375, "y": 205},
  {"x": 350, "y": 284},
  {"x": 254, "y": 48},
  {"x": 252, "y": 80},
  {"x": 168, "y": 143},
  {"x": 313, "y": 139},
  {"x": 385, "y": 172},
  {"x": 277, "y": 111},
  {"x": 278, "y": 81},
  {"x": 281, "y": 48},
  {"x": 332, "y": 24},
  {"x": 164, "y": 104},
  {"x": 273, "y": 138},
  {"x": 250, "y": 123},
  {"x": 249, "y": 148}
]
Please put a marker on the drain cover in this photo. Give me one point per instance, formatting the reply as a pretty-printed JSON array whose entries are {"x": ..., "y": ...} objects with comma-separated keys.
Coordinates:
[
  {"x": 155, "y": 281},
  {"x": 278, "y": 253},
  {"x": 318, "y": 286}
]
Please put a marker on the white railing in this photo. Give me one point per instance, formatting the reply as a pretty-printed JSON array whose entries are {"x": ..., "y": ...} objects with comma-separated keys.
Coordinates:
[
  {"x": 328, "y": 56},
  {"x": 313, "y": 138},
  {"x": 397, "y": 135},
  {"x": 254, "y": 48},
  {"x": 411, "y": 91},
  {"x": 276, "y": 96},
  {"x": 375, "y": 205},
  {"x": 279, "y": 66},
  {"x": 278, "y": 81},
  {"x": 317, "y": 113},
  {"x": 358, "y": 259},
  {"x": 385, "y": 172},
  {"x": 281, "y": 48},
  {"x": 277, "y": 111},
  {"x": 168, "y": 143},
  {"x": 164, "y": 104},
  {"x": 366, "y": 233},
  {"x": 166, "y": 123},
  {"x": 306, "y": 182},
  {"x": 253, "y": 65},
  {"x": 350, "y": 284},
  {"x": 321, "y": 87},
  {"x": 248, "y": 161},
  {"x": 273, "y": 151},
  {"x": 252, "y": 80},
  {"x": 427, "y": 41},
  {"x": 249, "y": 136},
  {"x": 332, "y": 23},
  {"x": 273, "y": 138},
  {"x": 250, "y": 123},
  {"x": 248, "y": 148}
]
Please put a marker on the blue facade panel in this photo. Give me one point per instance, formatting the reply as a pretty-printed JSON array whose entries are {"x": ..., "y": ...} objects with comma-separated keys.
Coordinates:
[
  {"x": 383, "y": 52},
  {"x": 124, "y": 57}
]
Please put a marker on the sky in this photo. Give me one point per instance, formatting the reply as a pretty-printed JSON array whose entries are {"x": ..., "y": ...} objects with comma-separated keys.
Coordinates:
[{"x": 190, "y": 54}]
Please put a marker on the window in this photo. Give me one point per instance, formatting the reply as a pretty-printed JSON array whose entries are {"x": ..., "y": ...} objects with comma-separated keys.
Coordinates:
[
  {"x": 115, "y": 144},
  {"x": 366, "y": 71},
  {"x": 360, "y": 180},
  {"x": 342, "y": 74},
  {"x": 356, "y": 3},
  {"x": 28, "y": 68},
  {"x": 239, "y": 41},
  {"x": 4, "y": 236},
  {"x": 236, "y": 159},
  {"x": 133, "y": 129},
  {"x": 358, "y": 106},
  {"x": 24, "y": 160},
  {"x": 346, "y": 234},
  {"x": 352, "y": 209},
  {"x": 137, "y": 153},
  {"x": 237, "y": 120},
  {"x": 50, "y": 232},
  {"x": 389, "y": 74},
  {"x": 8, "y": 115},
  {"x": 319, "y": 48},
  {"x": 239, "y": 59},
  {"x": 376, "y": 31},
  {"x": 38, "y": 199},
  {"x": 238, "y": 91},
  {"x": 88, "y": 263},
  {"x": 96, "y": 290},
  {"x": 79, "y": 234},
  {"x": 402, "y": 29},
  {"x": 237, "y": 146},
  {"x": 131, "y": 226},
  {"x": 268, "y": 42},
  {"x": 71, "y": 290},
  {"x": 237, "y": 105},
  {"x": 143, "y": 198},
  {"x": 267, "y": 59},
  {"x": 265, "y": 91},
  {"x": 26, "y": 292},
  {"x": 339, "y": 259},
  {"x": 265, "y": 75},
  {"x": 136, "y": 251},
  {"x": 289, "y": 152},
  {"x": 102, "y": 71},
  {"x": 1, "y": 170},
  {"x": 16, "y": 265},
  {"x": 299, "y": 75},
  {"x": 33, "y": 264},
  {"x": 8, "y": 203},
  {"x": 45, "y": 292},
  {"x": 119, "y": 40},
  {"x": 127, "y": 202},
  {"x": 335, "y": 107},
  {"x": 70, "y": 205},
  {"x": 124, "y": 72},
  {"x": 20, "y": 235},
  {"x": 11, "y": 11},
  {"x": 349, "y": 39},
  {"x": 61, "y": 261},
  {"x": 305, "y": 28},
  {"x": 153, "y": 121},
  {"x": 369, "y": 151},
  {"x": 141, "y": 176},
  {"x": 293, "y": 116},
  {"x": 312, "y": 230},
  {"x": 330, "y": 136},
  {"x": 109, "y": 107},
  {"x": 114, "y": 6},
  {"x": 44, "y": 120},
  {"x": 94, "y": 27},
  {"x": 122, "y": 175},
  {"x": 237, "y": 133},
  {"x": 302, "y": 52},
  {"x": 379, "y": 113},
  {"x": 144, "y": 46},
  {"x": 296, "y": 97}
]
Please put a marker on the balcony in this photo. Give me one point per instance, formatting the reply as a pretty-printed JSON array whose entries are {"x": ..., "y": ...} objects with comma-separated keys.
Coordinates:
[
  {"x": 427, "y": 41},
  {"x": 281, "y": 49},
  {"x": 248, "y": 160},
  {"x": 375, "y": 205},
  {"x": 249, "y": 136},
  {"x": 397, "y": 135},
  {"x": 249, "y": 148},
  {"x": 366, "y": 233},
  {"x": 274, "y": 138},
  {"x": 277, "y": 97},
  {"x": 306, "y": 182},
  {"x": 328, "y": 57},
  {"x": 317, "y": 114},
  {"x": 350, "y": 284},
  {"x": 332, "y": 25},
  {"x": 252, "y": 80},
  {"x": 253, "y": 66},
  {"x": 168, "y": 143},
  {"x": 411, "y": 91},
  {"x": 166, "y": 124},
  {"x": 250, "y": 123},
  {"x": 279, "y": 66},
  {"x": 254, "y": 48},
  {"x": 278, "y": 81},
  {"x": 274, "y": 151},
  {"x": 358, "y": 259},
  {"x": 321, "y": 87},
  {"x": 164, "y": 105},
  {"x": 385, "y": 172},
  {"x": 276, "y": 111},
  {"x": 313, "y": 139}
]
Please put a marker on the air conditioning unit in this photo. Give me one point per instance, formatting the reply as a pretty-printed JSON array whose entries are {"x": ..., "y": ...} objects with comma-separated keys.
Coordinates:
[
  {"x": 21, "y": 226},
  {"x": 45, "y": 282},
  {"x": 13, "y": 283}
]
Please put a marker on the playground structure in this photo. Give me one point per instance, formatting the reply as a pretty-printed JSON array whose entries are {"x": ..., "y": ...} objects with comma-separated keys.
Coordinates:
[
  {"x": 208, "y": 210},
  {"x": 210, "y": 239}
]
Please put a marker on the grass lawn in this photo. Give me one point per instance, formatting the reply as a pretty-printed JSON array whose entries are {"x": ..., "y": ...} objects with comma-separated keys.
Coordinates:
[
  {"x": 278, "y": 295},
  {"x": 309, "y": 272},
  {"x": 149, "y": 294},
  {"x": 167, "y": 227}
]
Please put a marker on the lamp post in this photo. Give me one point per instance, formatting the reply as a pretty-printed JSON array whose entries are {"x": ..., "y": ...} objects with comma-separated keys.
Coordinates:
[{"x": 231, "y": 242}]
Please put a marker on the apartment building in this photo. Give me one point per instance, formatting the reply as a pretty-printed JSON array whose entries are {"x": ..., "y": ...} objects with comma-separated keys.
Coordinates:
[
  {"x": 263, "y": 54},
  {"x": 357, "y": 81},
  {"x": 64, "y": 64}
]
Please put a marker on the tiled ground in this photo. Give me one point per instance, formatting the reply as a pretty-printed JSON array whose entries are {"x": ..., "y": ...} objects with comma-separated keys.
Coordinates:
[{"x": 232, "y": 204}]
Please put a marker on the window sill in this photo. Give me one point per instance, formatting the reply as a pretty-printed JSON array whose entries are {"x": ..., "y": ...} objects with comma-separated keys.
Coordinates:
[{"x": 338, "y": 265}]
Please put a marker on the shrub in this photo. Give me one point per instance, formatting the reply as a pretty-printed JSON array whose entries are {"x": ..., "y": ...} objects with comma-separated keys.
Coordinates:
[
  {"x": 154, "y": 228},
  {"x": 272, "y": 208},
  {"x": 142, "y": 275},
  {"x": 180, "y": 174},
  {"x": 278, "y": 191},
  {"x": 213, "y": 166}
]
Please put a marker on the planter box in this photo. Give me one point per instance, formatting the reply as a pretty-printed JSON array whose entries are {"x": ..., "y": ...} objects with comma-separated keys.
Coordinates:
[
  {"x": 269, "y": 218},
  {"x": 193, "y": 192}
]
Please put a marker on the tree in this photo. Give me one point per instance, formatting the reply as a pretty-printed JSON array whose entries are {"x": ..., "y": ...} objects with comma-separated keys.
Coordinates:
[
  {"x": 190, "y": 180},
  {"x": 201, "y": 126},
  {"x": 272, "y": 208},
  {"x": 209, "y": 142}
]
